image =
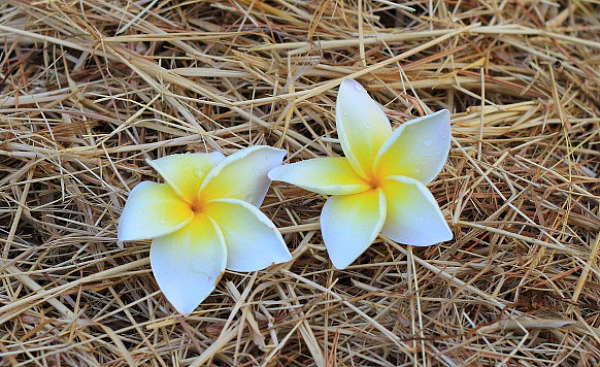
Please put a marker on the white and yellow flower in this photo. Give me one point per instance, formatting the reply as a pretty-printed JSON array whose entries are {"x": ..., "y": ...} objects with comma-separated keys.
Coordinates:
[
  {"x": 204, "y": 219},
  {"x": 380, "y": 185}
]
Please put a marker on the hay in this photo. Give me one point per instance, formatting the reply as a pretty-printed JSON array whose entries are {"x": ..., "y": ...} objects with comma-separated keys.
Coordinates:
[{"x": 89, "y": 90}]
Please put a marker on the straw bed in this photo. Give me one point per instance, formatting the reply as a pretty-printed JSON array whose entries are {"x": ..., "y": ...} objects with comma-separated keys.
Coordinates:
[{"x": 91, "y": 89}]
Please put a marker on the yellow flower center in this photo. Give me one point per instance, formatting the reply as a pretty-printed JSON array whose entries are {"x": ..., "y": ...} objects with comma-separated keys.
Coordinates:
[
  {"x": 373, "y": 182},
  {"x": 197, "y": 206}
]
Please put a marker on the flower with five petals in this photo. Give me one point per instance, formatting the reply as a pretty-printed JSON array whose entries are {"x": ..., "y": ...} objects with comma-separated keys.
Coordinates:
[
  {"x": 379, "y": 186},
  {"x": 205, "y": 218}
]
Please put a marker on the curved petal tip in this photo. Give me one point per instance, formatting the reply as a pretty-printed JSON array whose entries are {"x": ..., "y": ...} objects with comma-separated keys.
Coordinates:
[
  {"x": 188, "y": 263},
  {"x": 413, "y": 217},
  {"x": 243, "y": 175},
  {"x": 362, "y": 126},
  {"x": 418, "y": 149},
  {"x": 253, "y": 242},
  {"x": 350, "y": 223},
  {"x": 152, "y": 210}
]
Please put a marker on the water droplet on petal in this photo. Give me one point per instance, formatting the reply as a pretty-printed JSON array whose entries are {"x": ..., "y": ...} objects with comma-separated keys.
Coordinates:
[{"x": 428, "y": 142}]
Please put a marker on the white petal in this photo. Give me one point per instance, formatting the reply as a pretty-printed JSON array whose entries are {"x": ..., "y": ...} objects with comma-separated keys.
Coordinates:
[
  {"x": 242, "y": 175},
  {"x": 188, "y": 263},
  {"x": 327, "y": 176},
  {"x": 350, "y": 223},
  {"x": 185, "y": 172},
  {"x": 362, "y": 126},
  {"x": 252, "y": 241},
  {"x": 413, "y": 215},
  {"x": 418, "y": 148},
  {"x": 152, "y": 210}
]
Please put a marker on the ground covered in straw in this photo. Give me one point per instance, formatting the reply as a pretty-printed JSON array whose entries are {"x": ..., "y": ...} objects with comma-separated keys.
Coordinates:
[{"x": 91, "y": 89}]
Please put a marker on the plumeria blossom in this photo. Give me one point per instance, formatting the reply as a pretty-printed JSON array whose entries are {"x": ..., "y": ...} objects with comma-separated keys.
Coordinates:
[
  {"x": 379, "y": 186},
  {"x": 204, "y": 219}
]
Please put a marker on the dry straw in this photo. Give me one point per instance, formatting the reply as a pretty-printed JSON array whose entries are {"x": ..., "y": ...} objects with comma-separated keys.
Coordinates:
[{"x": 89, "y": 89}]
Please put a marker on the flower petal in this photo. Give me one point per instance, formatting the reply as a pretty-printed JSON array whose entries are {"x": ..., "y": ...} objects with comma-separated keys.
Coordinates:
[
  {"x": 327, "y": 176},
  {"x": 362, "y": 126},
  {"x": 413, "y": 215},
  {"x": 350, "y": 223},
  {"x": 418, "y": 148},
  {"x": 252, "y": 241},
  {"x": 188, "y": 263},
  {"x": 242, "y": 175},
  {"x": 152, "y": 210},
  {"x": 185, "y": 172}
]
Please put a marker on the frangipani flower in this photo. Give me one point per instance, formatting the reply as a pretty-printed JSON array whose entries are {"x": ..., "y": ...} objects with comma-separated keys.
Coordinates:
[
  {"x": 205, "y": 218},
  {"x": 380, "y": 185}
]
